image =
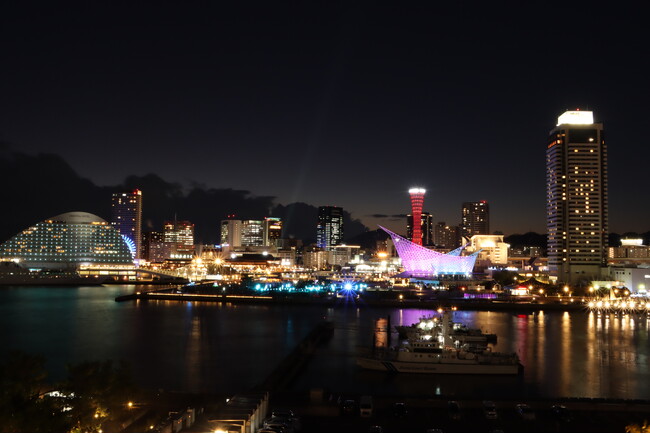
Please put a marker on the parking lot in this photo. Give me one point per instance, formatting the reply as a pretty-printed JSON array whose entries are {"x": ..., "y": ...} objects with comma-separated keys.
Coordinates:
[{"x": 436, "y": 415}]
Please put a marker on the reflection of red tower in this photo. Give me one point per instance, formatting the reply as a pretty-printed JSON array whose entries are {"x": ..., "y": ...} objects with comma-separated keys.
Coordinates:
[{"x": 417, "y": 200}]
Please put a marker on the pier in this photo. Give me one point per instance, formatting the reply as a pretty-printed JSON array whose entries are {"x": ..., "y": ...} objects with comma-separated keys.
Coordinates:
[
  {"x": 290, "y": 366},
  {"x": 360, "y": 302}
]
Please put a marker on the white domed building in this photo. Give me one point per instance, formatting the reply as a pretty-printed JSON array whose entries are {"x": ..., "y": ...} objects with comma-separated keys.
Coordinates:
[{"x": 68, "y": 241}]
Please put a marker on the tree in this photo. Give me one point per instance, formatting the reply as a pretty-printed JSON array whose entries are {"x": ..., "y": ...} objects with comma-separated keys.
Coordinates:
[
  {"x": 23, "y": 406},
  {"x": 98, "y": 392}
]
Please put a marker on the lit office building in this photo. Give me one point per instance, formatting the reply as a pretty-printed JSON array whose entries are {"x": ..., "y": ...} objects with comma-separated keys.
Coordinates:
[
  {"x": 446, "y": 236},
  {"x": 329, "y": 231},
  {"x": 426, "y": 226},
  {"x": 252, "y": 233},
  {"x": 231, "y": 233},
  {"x": 180, "y": 236},
  {"x": 153, "y": 247},
  {"x": 576, "y": 193},
  {"x": 475, "y": 219},
  {"x": 272, "y": 231},
  {"x": 68, "y": 241},
  {"x": 126, "y": 217},
  {"x": 490, "y": 249}
]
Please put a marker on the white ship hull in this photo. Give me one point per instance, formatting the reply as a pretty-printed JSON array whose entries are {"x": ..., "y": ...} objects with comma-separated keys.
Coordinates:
[{"x": 460, "y": 367}]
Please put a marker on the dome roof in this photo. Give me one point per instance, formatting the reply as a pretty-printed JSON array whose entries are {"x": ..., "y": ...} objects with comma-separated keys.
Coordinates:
[{"x": 77, "y": 217}]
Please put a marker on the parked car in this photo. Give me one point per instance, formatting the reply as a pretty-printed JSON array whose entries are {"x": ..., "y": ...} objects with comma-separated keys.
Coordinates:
[
  {"x": 454, "y": 410},
  {"x": 349, "y": 407},
  {"x": 278, "y": 424},
  {"x": 525, "y": 412},
  {"x": 365, "y": 406},
  {"x": 282, "y": 413},
  {"x": 400, "y": 410},
  {"x": 561, "y": 413},
  {"x": 490, "y": 410}
]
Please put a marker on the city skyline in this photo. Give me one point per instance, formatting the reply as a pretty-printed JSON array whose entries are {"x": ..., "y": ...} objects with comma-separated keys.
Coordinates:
[{"x": 464, "y": 90}]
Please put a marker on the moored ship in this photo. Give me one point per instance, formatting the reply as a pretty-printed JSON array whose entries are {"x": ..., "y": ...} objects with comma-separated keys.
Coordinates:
[{"x": 433, "y": 350}]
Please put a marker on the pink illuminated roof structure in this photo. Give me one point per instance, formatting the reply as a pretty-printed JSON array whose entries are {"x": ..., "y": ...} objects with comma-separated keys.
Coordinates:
[{"x": 420, "y": 262}]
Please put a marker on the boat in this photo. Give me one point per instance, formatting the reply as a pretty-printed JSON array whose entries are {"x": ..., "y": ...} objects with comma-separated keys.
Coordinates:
[
  {"x": 458, "y": 331},
  {"x": 432, "y": 349}
]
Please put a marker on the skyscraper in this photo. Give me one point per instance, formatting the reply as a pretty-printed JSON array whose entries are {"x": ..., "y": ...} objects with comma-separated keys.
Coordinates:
[
  {"x": 153, "y": 246},
  {"x": 576, "y": 197},
  {"x": 329, "y": 231},
  {"x": 230, "y": 233},
  {"x": 272, "y": 231},
  {"x": 126, "y": 217},
  {"x": 417, "y": 201},
  {"x": 426, "y": 224},
  {"x": 180, "y": 234},
  {"x": 475, "y": 219},
  {"x": 446, "y": 236},
  {"x": 252, "y": 233}
]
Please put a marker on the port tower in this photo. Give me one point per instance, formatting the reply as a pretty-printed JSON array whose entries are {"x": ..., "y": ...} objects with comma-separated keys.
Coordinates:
[{"x": 417, "y": 201}]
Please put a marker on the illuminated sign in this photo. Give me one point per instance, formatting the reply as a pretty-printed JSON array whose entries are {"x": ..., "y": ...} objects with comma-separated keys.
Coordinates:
[
  {"x": 631, "y": 241},
  {"x": 576, "y": 117}
]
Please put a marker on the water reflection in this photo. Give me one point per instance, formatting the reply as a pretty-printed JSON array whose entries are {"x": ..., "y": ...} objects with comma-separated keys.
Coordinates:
[{"x": 228, "y": 348}]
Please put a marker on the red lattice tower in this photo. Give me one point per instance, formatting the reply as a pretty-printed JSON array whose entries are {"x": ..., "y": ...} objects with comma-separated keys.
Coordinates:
[{"x": 417, "y": 201}]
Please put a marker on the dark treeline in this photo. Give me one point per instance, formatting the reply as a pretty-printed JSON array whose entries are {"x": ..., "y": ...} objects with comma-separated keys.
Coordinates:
[{"x": 94, "y": 395}]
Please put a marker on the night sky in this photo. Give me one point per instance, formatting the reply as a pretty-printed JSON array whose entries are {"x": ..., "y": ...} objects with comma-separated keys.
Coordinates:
[{"x": 333, "y": 103}]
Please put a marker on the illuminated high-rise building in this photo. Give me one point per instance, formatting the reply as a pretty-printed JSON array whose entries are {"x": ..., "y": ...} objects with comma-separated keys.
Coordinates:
[
  {"x": 153, "y": 246},
  {"x": 126, "y": 217},
  {"x": 180, "y": 235},
  {"x": 272, "y": 231},
  {"x": 576, "y": 197},
  {"x": 446, "y": 236},
  {"x": 475, "y": 219},
  {"x": 230, "y": 233},
  {"x": 329, "y": 231},
  {"x": 417, "y": 201},
  {"x": 252, "y": 233},
  {"x": 426, "y": 224}
]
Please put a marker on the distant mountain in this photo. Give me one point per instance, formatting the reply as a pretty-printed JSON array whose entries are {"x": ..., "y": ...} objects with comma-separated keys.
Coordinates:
[
  {"x": 529, "y": 239},
  {"x": 300, "y": 220},
  {"x": 615, "y": 239},
  {"x": 36, "y": 187},
  {"x": 369, "y": 239}
]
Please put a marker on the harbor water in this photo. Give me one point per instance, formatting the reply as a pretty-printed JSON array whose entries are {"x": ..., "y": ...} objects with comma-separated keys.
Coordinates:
[{"x": 229, "y": 348}]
